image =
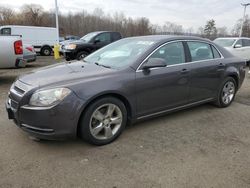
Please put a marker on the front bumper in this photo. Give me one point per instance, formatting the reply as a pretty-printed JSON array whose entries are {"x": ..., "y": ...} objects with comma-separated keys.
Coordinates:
[
  {"x": 69, "y": 54},
  {"x": 51, "y": 123}
]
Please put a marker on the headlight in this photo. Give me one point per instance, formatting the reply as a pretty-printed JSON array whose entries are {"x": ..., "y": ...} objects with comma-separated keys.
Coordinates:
[
  {"x": 70, "y": 47},
  {"x": 48, "y": 97}
]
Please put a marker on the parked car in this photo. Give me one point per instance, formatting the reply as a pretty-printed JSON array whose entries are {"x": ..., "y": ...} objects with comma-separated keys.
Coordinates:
[
  {"x": 239, "y": 47},
  {"x": 29, "y": 54},
  {"x": 127, "y": 81},
  {"x": 11, "y": 52},
  {"x": 87, "y": 44},
  {"x": 42, "y": 38}
]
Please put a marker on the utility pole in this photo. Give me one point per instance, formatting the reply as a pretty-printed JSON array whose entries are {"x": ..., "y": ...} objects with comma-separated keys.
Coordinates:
[
  {"x": 57, "y": 24},
  {"x": 244, "y": 17},
  {"x": 56, "y": 46}
]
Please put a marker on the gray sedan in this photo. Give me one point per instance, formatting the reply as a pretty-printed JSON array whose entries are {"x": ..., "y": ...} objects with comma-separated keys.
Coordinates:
[{"x": 127, "y": 81}]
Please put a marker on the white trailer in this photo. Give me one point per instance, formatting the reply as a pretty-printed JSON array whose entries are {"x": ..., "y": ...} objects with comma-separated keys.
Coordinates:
[{"x": 42, "y": 38}]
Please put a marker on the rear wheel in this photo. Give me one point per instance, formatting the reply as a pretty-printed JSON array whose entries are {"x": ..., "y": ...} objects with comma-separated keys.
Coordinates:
[
  {"x": 46, "y": 51},
  {"x": 81, "y": 55},
  {"x": 227, "y": 93},
  {"x": 103, "y": 121}
]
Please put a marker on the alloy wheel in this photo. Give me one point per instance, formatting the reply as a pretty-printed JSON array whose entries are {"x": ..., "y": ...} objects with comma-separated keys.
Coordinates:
[
  {"x": 228, "y": 92},
  {"x": 106, "y": 121}
]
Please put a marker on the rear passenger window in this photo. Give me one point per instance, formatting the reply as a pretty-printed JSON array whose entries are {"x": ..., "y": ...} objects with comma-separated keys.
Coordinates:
[
  {"x": 246, "y": 42},
  {"x": 6, "y": 31},
  {"x": 172, "y": 53},
  {"x": 104, "y": 37},
  {"x": 239, "y": 42},
  {"x": 216, "y": 53},
  {"x": 200, "y": 51},
  {"x": 116, "y": 36}
]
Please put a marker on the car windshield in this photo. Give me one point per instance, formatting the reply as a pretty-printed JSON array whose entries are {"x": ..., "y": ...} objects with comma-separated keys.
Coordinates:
[
  {"x": 120, "y": 54},
  {"x": 88, "y": 37},
  {"x": 225, "y": 42}
]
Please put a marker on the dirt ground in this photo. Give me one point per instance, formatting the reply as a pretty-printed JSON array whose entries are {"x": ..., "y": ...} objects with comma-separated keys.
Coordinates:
[{"x": 199, "y": 147}]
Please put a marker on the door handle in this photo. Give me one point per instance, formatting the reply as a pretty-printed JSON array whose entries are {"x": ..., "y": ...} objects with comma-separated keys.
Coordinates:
[
  {"x": 184, "y": 71},
  {"x": 221, "y": 65}
]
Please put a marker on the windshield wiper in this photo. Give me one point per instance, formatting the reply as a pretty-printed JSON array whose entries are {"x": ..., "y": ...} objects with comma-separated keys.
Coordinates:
[{"x": 106, "y": 66}]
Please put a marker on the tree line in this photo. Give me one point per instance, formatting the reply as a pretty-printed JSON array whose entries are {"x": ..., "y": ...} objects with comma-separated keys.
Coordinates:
[{"x": 83, "y": 22}]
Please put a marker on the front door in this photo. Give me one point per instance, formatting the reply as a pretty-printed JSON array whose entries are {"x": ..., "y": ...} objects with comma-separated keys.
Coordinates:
[
  {"x": 102, "y": 40},
  {"x": 165, "y": 87}
]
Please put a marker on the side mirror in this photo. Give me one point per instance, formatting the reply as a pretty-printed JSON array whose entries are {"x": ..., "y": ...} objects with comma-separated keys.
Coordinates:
[
  {"x": 238, "y": 46},
  {"x": 154, "y": 62},
  {"x": 96, "y": 41}
]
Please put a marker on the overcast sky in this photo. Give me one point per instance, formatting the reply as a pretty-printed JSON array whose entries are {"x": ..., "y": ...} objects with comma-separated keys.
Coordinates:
[{"x": 189, "y": 13}]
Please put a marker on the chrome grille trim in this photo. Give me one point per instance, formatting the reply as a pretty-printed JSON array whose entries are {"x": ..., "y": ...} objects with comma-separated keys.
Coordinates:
[{"x": 19, "y": 88}]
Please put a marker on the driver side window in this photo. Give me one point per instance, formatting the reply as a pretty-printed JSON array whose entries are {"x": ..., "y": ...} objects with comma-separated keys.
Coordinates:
[
  {"x": 172, "y": 53},
  {"x": 104, "y": 37},
  {"x": 239, "y": 42}
]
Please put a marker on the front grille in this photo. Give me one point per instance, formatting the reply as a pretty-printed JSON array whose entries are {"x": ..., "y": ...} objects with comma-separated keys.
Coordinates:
[
  {"x": 19, "y": 90},
  {"x": 13, "y": 104}
]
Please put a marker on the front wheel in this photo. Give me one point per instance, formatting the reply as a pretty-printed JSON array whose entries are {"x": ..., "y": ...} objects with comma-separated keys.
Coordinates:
[
  {"x": 81, "y": 55},
  {"x": 103, "y": 121},
  {"x": 227, "y": 93}
]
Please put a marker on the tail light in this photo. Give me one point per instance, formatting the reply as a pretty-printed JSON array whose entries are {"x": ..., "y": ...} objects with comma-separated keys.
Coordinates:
[
  {"x": 31, "y": 49},
  {"x": 18, "y": 46}
]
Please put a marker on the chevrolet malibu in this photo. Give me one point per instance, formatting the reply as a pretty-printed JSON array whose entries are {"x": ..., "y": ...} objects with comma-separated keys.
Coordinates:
[{"x": 127, "y": 81}]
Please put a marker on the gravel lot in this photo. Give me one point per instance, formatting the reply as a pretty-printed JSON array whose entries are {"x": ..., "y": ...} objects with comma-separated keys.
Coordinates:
[{"x": 200, "y": 147}]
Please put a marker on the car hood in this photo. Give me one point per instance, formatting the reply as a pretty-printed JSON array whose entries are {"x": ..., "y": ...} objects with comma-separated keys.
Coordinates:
[
  {"x": 77, "y": 42},
  {"x": 70, "y": 42},
  {"x": 63, "y": 73}
]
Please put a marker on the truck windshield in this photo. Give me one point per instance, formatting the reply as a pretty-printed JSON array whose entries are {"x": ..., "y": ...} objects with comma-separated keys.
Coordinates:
[
  {"x": 88, "y": 37},
  {"x": 225, "y": 42},
  {"x": 120, "y": 54}
]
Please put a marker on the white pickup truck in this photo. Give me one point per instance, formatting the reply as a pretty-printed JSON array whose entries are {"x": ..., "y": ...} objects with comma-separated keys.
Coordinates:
[{"x": 11, "y": 52}]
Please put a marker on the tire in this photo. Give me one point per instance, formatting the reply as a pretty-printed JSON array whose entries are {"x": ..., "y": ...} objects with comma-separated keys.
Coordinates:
[
  {"x": 46, "y": 51},
  {"x": 96, "y": 124},
  {"x": 81, "y": 55},
  {"x": 226, "y": 93}
]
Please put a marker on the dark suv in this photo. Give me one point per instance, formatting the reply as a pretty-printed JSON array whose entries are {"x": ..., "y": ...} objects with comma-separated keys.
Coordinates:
[{"x": 89, "y": 43}]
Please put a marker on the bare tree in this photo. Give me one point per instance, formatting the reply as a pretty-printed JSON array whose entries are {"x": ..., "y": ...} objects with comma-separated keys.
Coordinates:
[
  {"x": 222, "y": 32},
  {"x": 246, "y": 27},
  {"x": 171, "y": 28},
  {"x": 32, "y": 14},
  {"x": 7, "y": 16}
]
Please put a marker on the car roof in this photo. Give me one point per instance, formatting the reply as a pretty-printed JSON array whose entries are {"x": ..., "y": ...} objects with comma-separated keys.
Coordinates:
[
  {"x": 97, "y": 32},
  {"x": 235, "y": 38},
  {"x": 159, "y": 38}
]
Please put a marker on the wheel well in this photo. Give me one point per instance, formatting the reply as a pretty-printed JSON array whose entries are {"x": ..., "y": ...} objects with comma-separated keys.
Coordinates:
[
  {"x": 46, "y": 46},
  {"x": 236, "y": 79},
  {"x": 86, "y": 50},
  {"x": 115, "y": 95}
]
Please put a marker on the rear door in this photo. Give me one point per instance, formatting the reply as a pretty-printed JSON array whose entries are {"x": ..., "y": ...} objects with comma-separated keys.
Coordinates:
[{"x": 207, "y": 68}]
